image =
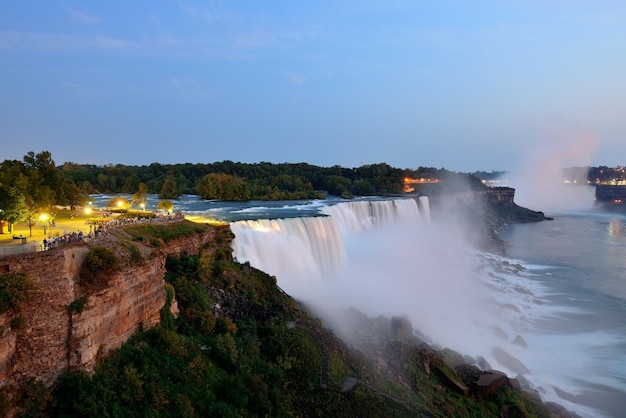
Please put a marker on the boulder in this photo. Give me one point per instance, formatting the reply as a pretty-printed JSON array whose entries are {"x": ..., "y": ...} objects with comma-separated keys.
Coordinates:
[
  {"x": 508, "y": 361},
  {"x": 489, "y": 382},
  {"x": 401, "y": 328}
]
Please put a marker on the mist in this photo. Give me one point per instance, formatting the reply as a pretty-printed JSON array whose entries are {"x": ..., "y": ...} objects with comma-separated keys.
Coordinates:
[
  {"x": 407, "y": 266},
  {"x": 539, "y": 181}
]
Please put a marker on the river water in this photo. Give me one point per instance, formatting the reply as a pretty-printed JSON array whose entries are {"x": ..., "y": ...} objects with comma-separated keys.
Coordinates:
[{"x": 579, "y": 262}]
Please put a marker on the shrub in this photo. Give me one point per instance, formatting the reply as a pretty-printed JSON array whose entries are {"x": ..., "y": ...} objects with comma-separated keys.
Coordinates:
[
  {"x": 77, "y": 306},
  {"x": 18, "y": 323},
  {"x": 167, "y": 318},
  {"x": 34, "y": 399},
  {"x": 135, "y": 254},
  {"x": 14, "y": 288},
  {"x": 99, "y": 261}
]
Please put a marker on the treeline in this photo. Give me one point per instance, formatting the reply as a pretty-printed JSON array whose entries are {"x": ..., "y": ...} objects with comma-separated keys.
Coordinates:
[
  {"x": 35, "y": 185},
  {"x": 68, "y": 184},
  {"x": 239, "y": 181},
  {"x": 32, "y": 187}
]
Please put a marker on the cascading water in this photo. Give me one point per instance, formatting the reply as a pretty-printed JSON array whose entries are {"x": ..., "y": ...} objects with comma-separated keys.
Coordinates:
[
  {"x": 387, "y": 258},
  {"x": 381, "y": 257}
]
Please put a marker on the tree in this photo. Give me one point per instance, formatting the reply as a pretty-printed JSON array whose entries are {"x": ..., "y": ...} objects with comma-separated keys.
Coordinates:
[
  {"x": 166, "y": 205},
  {"x": 12, "y": 207},
  {"x": 45, "y": 184},
  {"x": 168, "y": 190},
  {"x": 141, "y": 197},
  {"x": 118, "y": 202},
  {"x": 224, "y": 187}
]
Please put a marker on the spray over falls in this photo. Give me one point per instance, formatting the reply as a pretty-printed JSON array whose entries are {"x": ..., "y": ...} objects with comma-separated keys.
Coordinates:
[
  {"x": 380, "y": 257},
  {"x": 387, "y": 258}
]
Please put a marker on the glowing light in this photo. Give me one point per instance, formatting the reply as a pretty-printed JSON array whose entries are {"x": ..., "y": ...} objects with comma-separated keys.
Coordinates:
[{"x": 44, "y": 219}]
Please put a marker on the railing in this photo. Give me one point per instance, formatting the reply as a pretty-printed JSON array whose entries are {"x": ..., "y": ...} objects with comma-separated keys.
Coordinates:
[{"x": 28, "y": 248}]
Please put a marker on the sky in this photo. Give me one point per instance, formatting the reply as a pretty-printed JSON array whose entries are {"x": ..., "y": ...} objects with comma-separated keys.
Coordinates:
[{"x": 461, "y": 85}]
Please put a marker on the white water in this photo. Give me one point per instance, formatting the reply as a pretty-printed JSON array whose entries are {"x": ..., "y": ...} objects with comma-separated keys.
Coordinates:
[{"x": 388, "y": 258}]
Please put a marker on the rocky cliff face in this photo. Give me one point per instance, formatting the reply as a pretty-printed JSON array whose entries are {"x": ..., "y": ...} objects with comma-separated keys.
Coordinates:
[
  {"x": 487, "y": 211},
  {"x": 52, "y": 340}
]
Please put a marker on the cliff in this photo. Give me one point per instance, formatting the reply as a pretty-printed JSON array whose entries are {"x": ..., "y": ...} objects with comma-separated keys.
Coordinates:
[
  {"x": 487, "y": 210},
  {"x": 50, "y": 339}
]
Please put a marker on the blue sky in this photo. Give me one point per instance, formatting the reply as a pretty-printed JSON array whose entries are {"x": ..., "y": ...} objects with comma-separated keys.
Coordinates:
[{"x": 482, "y": 85}]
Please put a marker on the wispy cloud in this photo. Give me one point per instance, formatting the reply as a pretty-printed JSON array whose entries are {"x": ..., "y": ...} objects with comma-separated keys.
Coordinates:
[
  {"x": 82, "y": 16},
  {"x": 53, "y": 42},
  {"x": 79, "y": 90},
  {"x": 296, "y": 78},
  {"x": 211, "y": 12},
  {"x": 187, "y": 88}
]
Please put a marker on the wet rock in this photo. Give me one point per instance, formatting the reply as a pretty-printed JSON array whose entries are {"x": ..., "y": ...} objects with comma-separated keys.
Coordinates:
[
  {"x": 483, "y": 363},
  {"x": 508, "y": 361},
  {"x": 452, "y": 358},
  {"x": 515, "y": 384},
  {"x": 519, "y": 340},
  {"x": 498, "y": 332},
  {"x": 401, "y": 327},
  {"x": 348, "y": 384},
  {"x": 489, "y": 382},
  {"x": 468, "y": 373}
]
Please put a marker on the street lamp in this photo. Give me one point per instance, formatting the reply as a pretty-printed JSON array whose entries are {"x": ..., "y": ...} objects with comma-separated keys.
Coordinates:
[
  {"x": 143, "y": 206},
  {"x": 44, "y": 218}
]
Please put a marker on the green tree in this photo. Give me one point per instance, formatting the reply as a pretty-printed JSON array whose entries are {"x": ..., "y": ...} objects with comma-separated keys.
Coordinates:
[
  {"x": 118, "y": 202},
  {"x": 12, "y": 207},
  {"x": 224, "y": 187},
  {"x": 166, "y": 205},
  {"x": 140, "y": 199},
  {"x": 168, "y": 190}
]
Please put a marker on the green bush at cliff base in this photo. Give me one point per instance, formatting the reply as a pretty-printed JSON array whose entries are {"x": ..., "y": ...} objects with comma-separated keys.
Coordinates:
[{"x": 14, "y": 288}]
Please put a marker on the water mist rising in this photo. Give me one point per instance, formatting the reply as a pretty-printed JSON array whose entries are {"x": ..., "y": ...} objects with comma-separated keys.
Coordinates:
[
  {"x": 540, "y": 183},
  {"x": 388, "y": 259}
]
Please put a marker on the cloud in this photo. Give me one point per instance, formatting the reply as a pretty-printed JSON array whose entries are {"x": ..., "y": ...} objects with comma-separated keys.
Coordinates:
[
  {"x": 82, "y": 16},
  {"x": 78, "y": 90},
  {"x": 295, "y": 78},
  {"x": 52, "y": 42},
  {"x": 189, "y": 89}
]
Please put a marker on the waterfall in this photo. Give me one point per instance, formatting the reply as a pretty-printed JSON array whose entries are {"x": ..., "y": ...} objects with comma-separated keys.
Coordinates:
[
  {"x": 382, "y": 257},
  {"x": 308, "y": 247},
  {"x": 386, "y": 257},
  {"x": 290, "y": 248}
]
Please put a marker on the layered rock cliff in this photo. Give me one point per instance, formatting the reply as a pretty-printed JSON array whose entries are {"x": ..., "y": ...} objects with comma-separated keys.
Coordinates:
[{"x": 52, "y": 338}]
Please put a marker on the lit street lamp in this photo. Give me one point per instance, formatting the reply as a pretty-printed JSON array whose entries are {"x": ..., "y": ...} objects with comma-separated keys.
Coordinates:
[{"x": 44, "y": 219}]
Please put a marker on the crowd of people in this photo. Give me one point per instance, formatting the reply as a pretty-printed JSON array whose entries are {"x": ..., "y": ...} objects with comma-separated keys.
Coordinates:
[{"x": 100, "y": 229}]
